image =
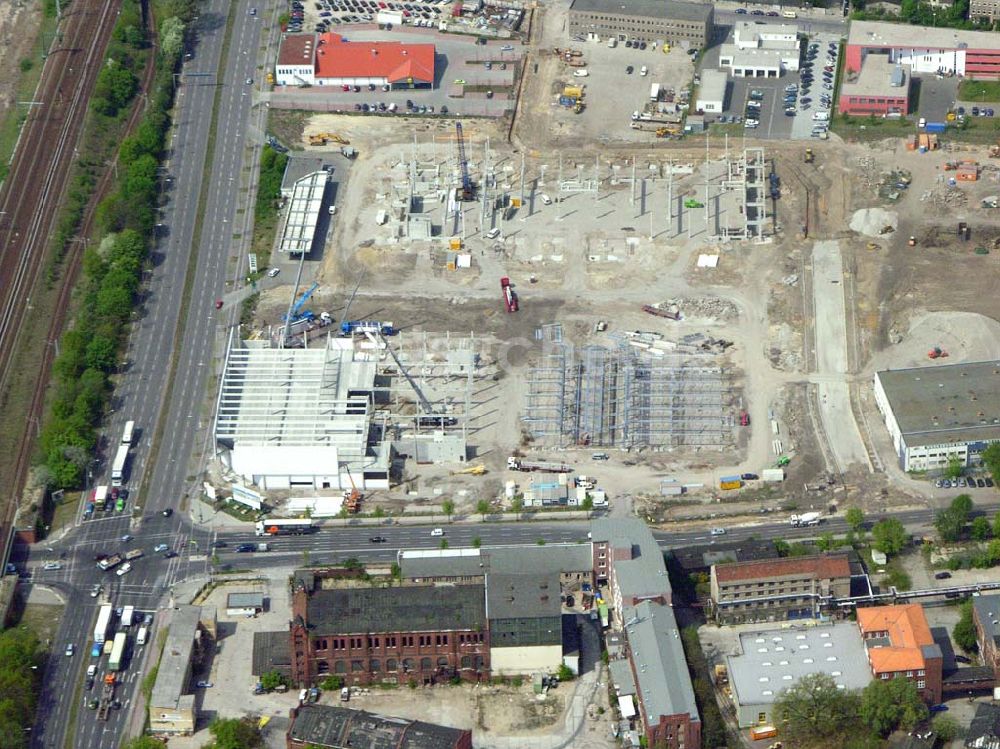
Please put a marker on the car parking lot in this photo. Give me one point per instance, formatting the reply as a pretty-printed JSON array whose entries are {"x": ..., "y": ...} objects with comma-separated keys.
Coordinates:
[
  {"x": 335, "y": 15},
  {"x": 784, "y": 107}
]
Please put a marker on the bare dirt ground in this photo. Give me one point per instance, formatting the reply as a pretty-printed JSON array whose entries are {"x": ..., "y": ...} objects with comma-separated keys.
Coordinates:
[{"x": 19, "y": 21}]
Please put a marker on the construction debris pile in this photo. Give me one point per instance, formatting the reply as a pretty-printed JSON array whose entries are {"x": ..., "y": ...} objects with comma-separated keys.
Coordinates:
[
  {"x": 705, "y": 307},
  {"x": 874, "y": 222}
]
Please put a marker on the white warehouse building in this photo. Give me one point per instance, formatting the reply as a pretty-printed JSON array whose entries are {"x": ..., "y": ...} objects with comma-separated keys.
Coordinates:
[
  {"x": 939, "y": 413},
  {"x": 301, "y": 417},
  {"x": 761, "y": 51}
]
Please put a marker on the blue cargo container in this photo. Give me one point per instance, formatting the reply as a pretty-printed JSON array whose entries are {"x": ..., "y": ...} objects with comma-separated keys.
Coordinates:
[
  {"x": 935, "y": 127},
  {"x": 727, "y": 479}
]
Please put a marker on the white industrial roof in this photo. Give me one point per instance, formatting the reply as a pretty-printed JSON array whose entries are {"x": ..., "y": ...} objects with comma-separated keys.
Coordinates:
[
  {"x": 303, "y": 213},
  {"x": 309, "y": 397},
  {"x": 773, "y": 660}
]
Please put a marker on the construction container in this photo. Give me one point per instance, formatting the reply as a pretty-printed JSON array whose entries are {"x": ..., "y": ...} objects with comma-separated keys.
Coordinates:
[
  {"x": 772, "y": 474},
  {"x": 455, "y": 243},
  {"x": 935, "y": 127},
  {"x": 450, "y": 261},
  {"x": 574, "y": 92}
]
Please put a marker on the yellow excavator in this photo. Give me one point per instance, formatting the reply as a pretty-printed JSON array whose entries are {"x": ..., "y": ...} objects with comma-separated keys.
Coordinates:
[{"x": 321, "y": 139}]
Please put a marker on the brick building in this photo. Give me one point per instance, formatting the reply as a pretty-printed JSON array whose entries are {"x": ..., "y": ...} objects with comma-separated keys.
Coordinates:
[
  {"x": 881, "y": 88},
  {"x": 899, "y": 643},
  {"x": 986, "y": 617},
  {"x": 643, "y": 20},
  {"x": 984, "y": 10},
  {"x": 333, "y": 727},
  {"x": 778, "y": 589},
  {"x": 425, "y": 634}
]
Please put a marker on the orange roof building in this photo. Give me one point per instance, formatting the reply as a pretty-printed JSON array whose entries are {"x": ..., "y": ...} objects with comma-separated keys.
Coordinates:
[
  {"x": 330, "y": 60},
  {"x": 899, "y": 643}
]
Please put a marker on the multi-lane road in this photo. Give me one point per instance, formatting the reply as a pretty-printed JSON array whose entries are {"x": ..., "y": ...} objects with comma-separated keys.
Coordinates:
[{"x": 162, "y": 338}]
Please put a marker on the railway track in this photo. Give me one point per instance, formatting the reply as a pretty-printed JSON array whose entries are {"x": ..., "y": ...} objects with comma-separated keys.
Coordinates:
[{"x": 33, "y": 189}]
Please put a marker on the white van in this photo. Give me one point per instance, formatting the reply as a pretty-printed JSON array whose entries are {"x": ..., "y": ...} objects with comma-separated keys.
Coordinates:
[
  {"x": 789, "y": 14},
  {"x": 140, "y": 639},
  {"x": 580, "y": 73},
  {"x": 493, "y": 233},
  {"x": 821, "y": 116},
  {"x": 545, "y": 199},
  {"x": 612, "y": 43},
  {"x": 437, "y": 532}
]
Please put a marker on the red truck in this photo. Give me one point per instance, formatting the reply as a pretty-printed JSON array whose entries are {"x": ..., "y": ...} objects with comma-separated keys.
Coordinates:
[{"x": 509, "y": 297}]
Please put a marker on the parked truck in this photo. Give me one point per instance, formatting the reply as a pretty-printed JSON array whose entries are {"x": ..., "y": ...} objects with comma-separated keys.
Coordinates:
[
  {"x": 730, "y": 482},
  {"x": 806, "y": 518},
  {"x": 544, "y": 466},
  {"x": 103, "y": 623},
  {"x": 101, "y": 497},
  {"x": 110, "y": 562},
  {"x": 509, "y": 297},
  {"x": 128, "y": 613}
]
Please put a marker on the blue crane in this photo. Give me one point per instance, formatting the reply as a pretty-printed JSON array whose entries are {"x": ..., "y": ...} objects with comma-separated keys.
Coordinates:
[
  {"x": 295, "y": 311},
  {"x": 468, "y": 191}
]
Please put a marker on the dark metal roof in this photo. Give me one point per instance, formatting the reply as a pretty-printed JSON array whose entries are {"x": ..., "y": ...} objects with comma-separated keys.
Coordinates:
[
  {"x": 341, "y": 728},
  {"x": 522, "y": 596},
  {"x": 415, "y": 608},
  {"x": 984, "y": 730},
  {"x": 679, "y": 11},
  {"x": 271, "y": 652},
  {"x": 703, "y": 556}
]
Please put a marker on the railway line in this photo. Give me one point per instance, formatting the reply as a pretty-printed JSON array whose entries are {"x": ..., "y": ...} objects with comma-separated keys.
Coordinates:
[{"x": 31, "y": 192}]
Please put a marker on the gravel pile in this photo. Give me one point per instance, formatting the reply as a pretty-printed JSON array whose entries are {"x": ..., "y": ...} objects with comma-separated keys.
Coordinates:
[{"x": 872, "y": 221}]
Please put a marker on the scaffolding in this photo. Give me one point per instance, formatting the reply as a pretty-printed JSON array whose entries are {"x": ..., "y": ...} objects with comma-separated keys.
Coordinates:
[{"x": 624, "y": 397}]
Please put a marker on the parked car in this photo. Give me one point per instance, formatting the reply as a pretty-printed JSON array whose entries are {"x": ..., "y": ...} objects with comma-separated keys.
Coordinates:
[
  {"x": 942, "y": 575},
  {"x": 718, "y": 531}
]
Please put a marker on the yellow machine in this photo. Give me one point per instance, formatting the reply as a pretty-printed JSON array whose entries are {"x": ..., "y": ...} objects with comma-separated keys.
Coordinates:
[
  {"x": 321, "y": 139},
  {"x": 476, "y": 470}
]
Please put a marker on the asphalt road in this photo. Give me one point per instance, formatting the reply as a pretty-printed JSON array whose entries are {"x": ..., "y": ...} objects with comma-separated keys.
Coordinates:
[{"x": 139, "y": 397}]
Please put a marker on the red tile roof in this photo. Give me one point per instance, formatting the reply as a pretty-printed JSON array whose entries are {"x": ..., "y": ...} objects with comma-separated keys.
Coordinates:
[
  {"x": 393, "y": 61},
  {"x": 817, "y": 566},
  {"x": 297, "y": 49},
  {"x": 908, "y": 633}
]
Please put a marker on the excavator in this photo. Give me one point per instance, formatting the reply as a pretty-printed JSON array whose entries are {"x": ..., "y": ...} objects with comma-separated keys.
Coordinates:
[
  {"x": 476, "y": 470},
  {"x": 321, "y": 139}
]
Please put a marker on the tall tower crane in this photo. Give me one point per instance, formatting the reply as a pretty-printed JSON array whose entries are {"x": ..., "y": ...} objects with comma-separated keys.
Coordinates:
[{"x": 468, "y": 191}]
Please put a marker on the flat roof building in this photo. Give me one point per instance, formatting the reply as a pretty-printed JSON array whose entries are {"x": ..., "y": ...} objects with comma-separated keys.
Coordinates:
[
  {"x": 646, "y": 20},
  {"x": 712, "y": 91},
  {"x": 244, "y": 604},
  {"x": 300, "y": 417},
  {"x": 881, "y": 88},
  {"x": 332, "y": 727},
  {"x": 986, "y": 618},
  {"x": 302, "y": 214},
  {"x": 778, "y": 589},
  {"x": 525, "y": 622},
  {"x": 330, "y": 60},
  {"x": 772, "y": 660},
  {"x": 935, "y": 414},
  {"x": 925, "y": 49},
  {"x": 760, "y": 50},
  {"x": 172, "y": 707},
  {"x": 899, "y": 644}
]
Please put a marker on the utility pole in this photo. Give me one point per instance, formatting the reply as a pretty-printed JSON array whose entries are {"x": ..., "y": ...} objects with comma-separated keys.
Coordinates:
[
  {"x": 670, "y": 194},
  {"x": 633, "y": 181},
  {"x": 559, "y": 191}
]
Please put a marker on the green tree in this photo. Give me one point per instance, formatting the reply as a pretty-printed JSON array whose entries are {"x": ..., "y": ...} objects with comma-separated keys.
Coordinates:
[
  {"x": 855, "y": 518},
  {"x": 565, "y": 673},
  {"x": 272, "y": 680},
  {"x": 954, "y": 469},
  {"x": 889, "y": 536},
  {"x": 477, "y": 542},
  {"x": 171, "y": 38},
  {"x": 483, "y": 508},
  {"x": 980, "y": 529},
  {"x": 443, "y": 544},
  {"x": 949, "y": 525},
  {"x": 379, "y": 512},
  {"x": 964, "y": 633},
  {"x": 331, "y": 683},
  {"x": 232, "y": 733},
  {"x": 813, "y": 712},
  {"x": 826, "y": 542},
  {"x": 991, "y": 459},
  {"x": 517, "y": 506},
  {"x": 996, "y": 525},
  {"x": 587, "y": 505},
  {"x": 962, "y": 506},
  {"x": 448, "y": 508},
  {"x": 946, "y": 728},
  {"x": 890, "y": 704}
]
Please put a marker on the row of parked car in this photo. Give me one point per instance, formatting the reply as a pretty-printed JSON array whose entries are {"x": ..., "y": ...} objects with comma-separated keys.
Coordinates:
[{"x": 962, "y": 482}]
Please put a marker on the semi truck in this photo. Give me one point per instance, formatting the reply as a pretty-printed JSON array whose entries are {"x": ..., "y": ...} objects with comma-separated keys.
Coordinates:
[
  {"x": 806, "y": 518},
  {"x": 118, "y": 467},
  {"x": 103, "y": 623},
  {"x": 117, "y": 657},
  {"x": 283, "y": 526},
  {"x": 109, "y": 562},
  {"x": 127, "y": 432},
  {"x": 544, "y": 466}
]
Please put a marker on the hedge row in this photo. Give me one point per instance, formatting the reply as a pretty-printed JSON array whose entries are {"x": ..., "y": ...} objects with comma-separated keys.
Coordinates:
[{"x": 112, "y": 270}]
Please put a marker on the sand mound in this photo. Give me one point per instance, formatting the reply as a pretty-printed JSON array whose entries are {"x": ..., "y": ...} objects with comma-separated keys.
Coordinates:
[
  {"x": 871, "y": 221},
  {"x": 966, "y": 336}
]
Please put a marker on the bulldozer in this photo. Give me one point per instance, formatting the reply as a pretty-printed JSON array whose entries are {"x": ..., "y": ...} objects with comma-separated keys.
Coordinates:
[{"x": 321, "y": 139}]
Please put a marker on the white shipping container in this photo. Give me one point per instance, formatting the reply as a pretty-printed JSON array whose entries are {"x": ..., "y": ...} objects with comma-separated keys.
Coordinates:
[{"x": 772, "y": 474}]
